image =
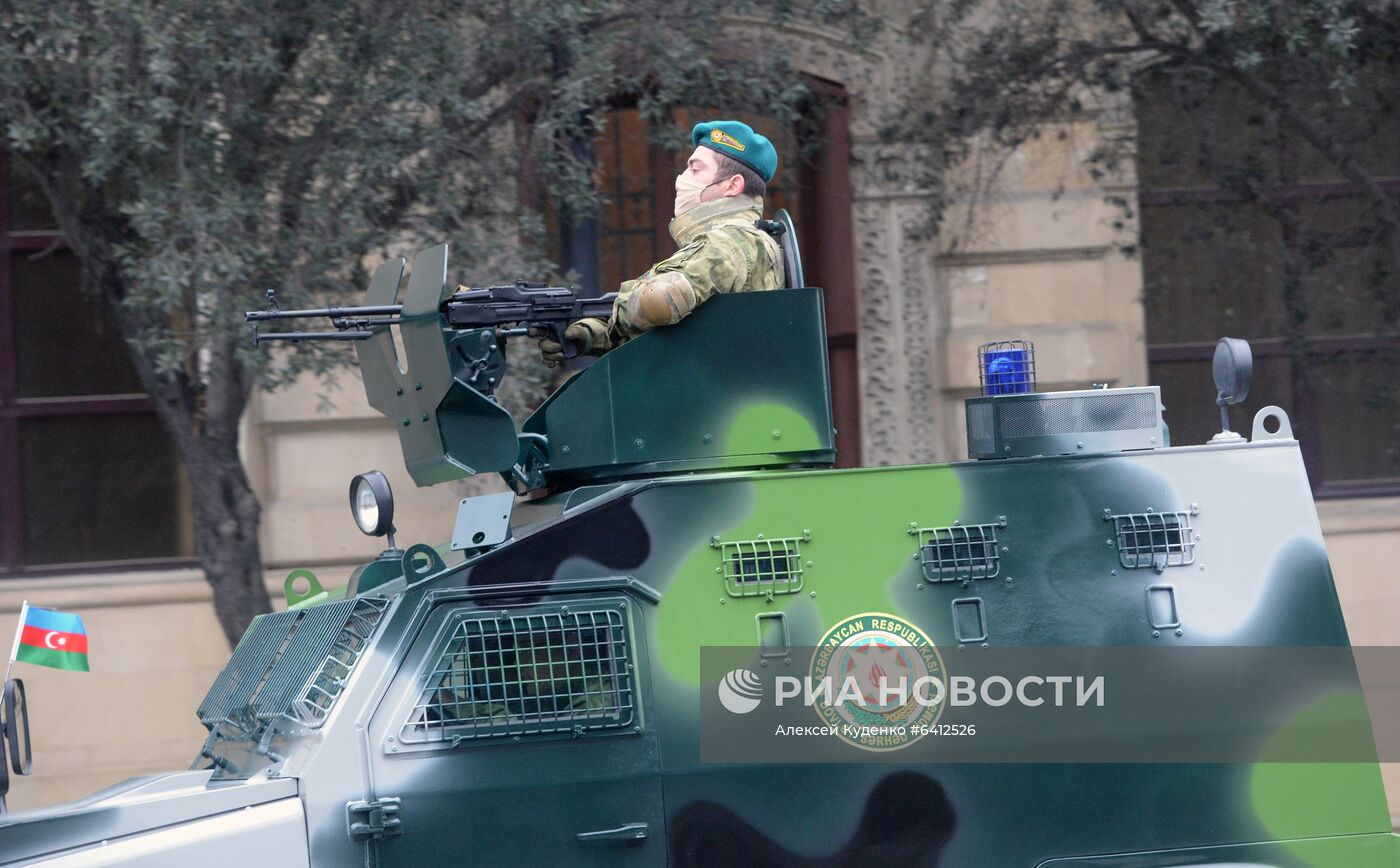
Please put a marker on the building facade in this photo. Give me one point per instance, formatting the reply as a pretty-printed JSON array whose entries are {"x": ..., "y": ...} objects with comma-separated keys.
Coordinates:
[{"x": 1049, "y": 257}]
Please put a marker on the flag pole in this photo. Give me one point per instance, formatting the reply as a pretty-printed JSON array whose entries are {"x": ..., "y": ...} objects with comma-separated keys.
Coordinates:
[{"x": 19, "y": 630}]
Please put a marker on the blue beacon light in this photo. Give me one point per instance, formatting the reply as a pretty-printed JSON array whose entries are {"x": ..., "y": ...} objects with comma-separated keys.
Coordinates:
[{"x": 1006, "y": 367}]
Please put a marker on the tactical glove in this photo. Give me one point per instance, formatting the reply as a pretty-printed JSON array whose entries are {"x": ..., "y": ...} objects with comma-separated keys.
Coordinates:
[{"x": 577, "y": 334}]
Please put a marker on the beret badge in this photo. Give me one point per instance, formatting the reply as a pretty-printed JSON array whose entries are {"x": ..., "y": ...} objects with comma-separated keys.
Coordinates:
[{"x": 719, "y": 137}]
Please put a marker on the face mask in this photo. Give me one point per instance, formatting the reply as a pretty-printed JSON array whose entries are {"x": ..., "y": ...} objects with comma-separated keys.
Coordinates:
[{"x": 688, "y": 192}]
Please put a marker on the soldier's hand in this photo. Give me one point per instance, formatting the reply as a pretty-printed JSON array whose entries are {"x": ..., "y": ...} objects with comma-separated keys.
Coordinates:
[{"x": 553, "y": 352}]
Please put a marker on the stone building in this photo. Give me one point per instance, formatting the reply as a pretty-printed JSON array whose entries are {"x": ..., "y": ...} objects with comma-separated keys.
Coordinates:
[{"x": 104, "y": 531}]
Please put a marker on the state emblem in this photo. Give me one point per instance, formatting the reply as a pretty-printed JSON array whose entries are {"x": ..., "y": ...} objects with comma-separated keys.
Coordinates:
[{"x": 880, "y": 669}]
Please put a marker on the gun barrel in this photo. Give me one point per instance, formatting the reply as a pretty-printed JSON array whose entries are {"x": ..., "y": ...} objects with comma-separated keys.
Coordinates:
[
  {"x": 294, "y": 337},
  {"x": 365, "y": 322},
  {"x": 330, "y": 312}
]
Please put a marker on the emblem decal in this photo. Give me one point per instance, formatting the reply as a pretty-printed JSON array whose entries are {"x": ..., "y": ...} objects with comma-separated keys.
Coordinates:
[{"x": 882, "y": 656}]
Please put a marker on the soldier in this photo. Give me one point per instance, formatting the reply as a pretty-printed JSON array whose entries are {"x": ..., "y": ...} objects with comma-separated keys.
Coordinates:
[{"x": 719, "y": 196}]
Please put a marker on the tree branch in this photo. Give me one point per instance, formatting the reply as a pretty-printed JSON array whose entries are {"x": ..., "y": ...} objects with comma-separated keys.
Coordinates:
[{"x": 1337, "y": 153}]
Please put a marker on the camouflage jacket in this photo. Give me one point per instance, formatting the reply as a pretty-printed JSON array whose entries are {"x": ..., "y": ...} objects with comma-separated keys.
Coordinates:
[{"x": 720, "y": 251}]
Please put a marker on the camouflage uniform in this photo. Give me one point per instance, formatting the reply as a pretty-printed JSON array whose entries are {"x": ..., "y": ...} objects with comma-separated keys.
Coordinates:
[{"x": 720, "y": 251}]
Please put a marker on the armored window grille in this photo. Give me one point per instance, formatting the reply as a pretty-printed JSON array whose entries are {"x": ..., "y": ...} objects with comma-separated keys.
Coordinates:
[
  {"x": 1154, "y": 540},
  {"x": 959, "y": 552},
  {"x": 556, "y": 671},
  {"x": 292, "y": 666},
  {"x": 762, "y": 567},
  {"x": 313, "y": 702}
]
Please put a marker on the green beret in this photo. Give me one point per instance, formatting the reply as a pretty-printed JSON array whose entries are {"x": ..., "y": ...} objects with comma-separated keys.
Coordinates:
[{"x": 738, "y": 141}]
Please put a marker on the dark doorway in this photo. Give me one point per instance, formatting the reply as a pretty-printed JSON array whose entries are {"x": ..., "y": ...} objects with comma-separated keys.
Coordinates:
[{"x": 636, "y": 179}]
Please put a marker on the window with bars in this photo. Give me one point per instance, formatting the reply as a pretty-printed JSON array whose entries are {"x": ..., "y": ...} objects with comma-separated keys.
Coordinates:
[
  {"x": 1222, "y": 186},
  {"x": 636, "y": 181},
  {"x": 762, "y": 567},
  {"x": 81, "y": 449},
  {"x": 959, "y": 552},
  {"x": 1154, "y": 540},
  {"x": 556, "y": 670},
  {"x": 293, "y": 665},
  {"x": 636, "y": 168}
]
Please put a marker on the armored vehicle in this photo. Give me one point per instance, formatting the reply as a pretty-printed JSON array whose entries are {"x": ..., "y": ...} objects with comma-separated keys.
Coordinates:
[{"x": 535, "y": 692}]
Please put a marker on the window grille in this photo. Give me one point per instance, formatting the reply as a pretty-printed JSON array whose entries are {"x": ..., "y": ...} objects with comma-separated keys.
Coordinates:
[
  {"x": 761, "y": 567},
  {"x": 556, "y": 671},
  {"x": 1154, "y": 540},
  {"x": 959, "y": 552},
  {"x": 292, "y": 666},
  {"x": 314, "y": 701}
]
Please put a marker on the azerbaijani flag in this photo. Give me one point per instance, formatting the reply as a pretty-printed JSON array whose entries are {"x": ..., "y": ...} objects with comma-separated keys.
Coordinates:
[{"x": 51, "y": 638}]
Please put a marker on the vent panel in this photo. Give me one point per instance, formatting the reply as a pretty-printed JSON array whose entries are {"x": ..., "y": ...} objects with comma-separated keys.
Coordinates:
[
  {"x": 1154, "y": 540},
  {"x": 762, "y": 567},
  {"x": 1064, "y": 423},
  {"x": 959, "y": 552},
  {"x": 1110, "y": 411}
]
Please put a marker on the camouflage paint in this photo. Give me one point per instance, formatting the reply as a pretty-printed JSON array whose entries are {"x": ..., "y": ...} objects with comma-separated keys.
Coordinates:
[
  {"x": 697, "y": 612},
  {"x": 523, "y": 802},
  {"x": 1337, "y": 793},
  {"x": 760, "y": 428},
  {"x": 1261, "y": 578},
  {"x": 1063, "y": 592},
  {"x": 684, "y": 400}
]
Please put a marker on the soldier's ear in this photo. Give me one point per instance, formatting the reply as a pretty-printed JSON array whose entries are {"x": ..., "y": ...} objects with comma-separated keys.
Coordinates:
[{"x": 734, "y": 186}]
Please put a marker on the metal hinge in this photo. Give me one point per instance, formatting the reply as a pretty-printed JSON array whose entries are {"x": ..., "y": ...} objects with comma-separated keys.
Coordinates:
[{"x": 374, "y": 820}]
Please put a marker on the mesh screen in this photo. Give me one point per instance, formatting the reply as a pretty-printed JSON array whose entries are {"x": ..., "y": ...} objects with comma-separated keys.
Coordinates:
[
  {"x": 1078, "y": 414},
  {"x": 314, "y": 700},
  {"x": 293, "y": 665},
  {"x": 979, "y": 428},
  {"x": 529, "y": 673}
]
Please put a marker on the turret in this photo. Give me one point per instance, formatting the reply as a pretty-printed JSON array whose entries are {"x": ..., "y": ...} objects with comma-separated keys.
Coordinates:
[{"x": 740, "y": 384}]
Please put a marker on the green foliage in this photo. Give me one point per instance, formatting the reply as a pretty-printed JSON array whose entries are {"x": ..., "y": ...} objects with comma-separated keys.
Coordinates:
[
  {"x": 1260, "y": 136},
  {"x": 199, "y": 152},
  {"x": 195, "y": 153},
  {"x": 1247, "y": 32},
  {"x": 1262, "y": 95}
]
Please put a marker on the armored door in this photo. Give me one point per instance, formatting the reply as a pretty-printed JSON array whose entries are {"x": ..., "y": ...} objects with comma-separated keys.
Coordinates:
[{"x": 522, "y": 735}]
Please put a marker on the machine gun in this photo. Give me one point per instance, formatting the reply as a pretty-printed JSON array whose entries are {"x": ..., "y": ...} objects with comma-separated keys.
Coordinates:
[
  {"x": 511, "y": 310},
  {"x": 432, "y": 359}
]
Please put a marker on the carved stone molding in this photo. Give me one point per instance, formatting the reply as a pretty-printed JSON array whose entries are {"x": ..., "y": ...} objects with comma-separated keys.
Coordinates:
[
  {"x": 881, "y": 347},
  {"x": 921, "y": 333},
  {"x": 899, "y": 334}
]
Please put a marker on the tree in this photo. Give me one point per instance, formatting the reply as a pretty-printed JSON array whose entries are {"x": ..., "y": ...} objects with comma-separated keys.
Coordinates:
[
  {"x": 195, "y": 153},
  {"x": 1275, "y": 122},
  {"x": 1012, "y": 66}
]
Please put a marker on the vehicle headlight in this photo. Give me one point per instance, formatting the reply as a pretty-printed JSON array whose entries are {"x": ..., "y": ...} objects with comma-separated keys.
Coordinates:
[{"x": 372, "y": 503}]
